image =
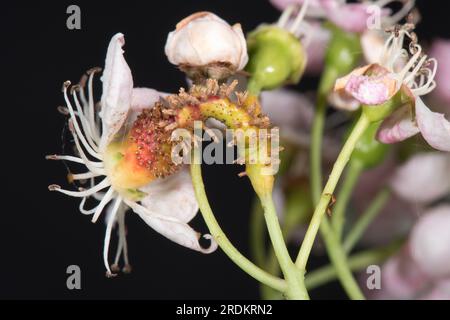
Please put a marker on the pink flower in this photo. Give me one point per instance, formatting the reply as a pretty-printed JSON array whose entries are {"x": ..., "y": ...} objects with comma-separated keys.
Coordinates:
[
  {"x": 377, "y": 83},
  {"x": 441, "y": 51}
]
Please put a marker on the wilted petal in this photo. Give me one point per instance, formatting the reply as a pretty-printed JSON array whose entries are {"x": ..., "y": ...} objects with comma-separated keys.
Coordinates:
[
  {"x": 434, "y": 127},
  {"x": 117, "y": 90},
  {"x": 342, "y": 82},
  {"x": 343, "y": 101},
  {"x": 440, "y": 50},
  {"x": 398, "y": 126},
  {"x": 371, "y": 90},
  {"x": 423, "y": 178},
  {"x": 430, "y": 240},
  {"x": 371, "y": 84},
  {"x": 203, "y": 38}
]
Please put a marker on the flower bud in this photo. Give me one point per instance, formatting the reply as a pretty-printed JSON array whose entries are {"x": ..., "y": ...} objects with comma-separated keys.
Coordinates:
[
  {"x": 205, "y": 46},
  {"x": 343, "y": 53},
  {"x": 277, "y": 57}
]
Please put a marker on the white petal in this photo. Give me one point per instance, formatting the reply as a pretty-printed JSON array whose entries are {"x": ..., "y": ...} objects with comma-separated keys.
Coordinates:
[
  {"x": 434, "y": 127},
  {"x": 117, "y": 90},
  {"x": 143, "y": 98},
  {"x": 423, "y": 178},
  {"x": 172, "y": 196},
  {"x": 173, "y": 229},
  {"x": 430, "y": 240}
]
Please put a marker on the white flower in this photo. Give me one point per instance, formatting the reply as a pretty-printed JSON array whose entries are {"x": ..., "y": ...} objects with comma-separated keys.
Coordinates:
[
  {"x": 203, "y": 39},
  {"x": 166, "y": 204}
]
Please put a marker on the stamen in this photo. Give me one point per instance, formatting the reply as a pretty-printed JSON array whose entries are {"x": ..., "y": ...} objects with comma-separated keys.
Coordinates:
[
  {"x": 86, "y": 161},
  {"x": 408, "y": 5},
  {"x": 83, "y": 176},
  {"x": 284, "y": 18},
  {"x": 401, "y": 75},
  {"x": 84, "y": 123},
  {"x": 63, "y": 110},
  {"x": 99, "y": 195},
  {"x": 99, "y": 209},
  {"x": 91, "y": 114},
  {"x": 428, "y": 86},
  {"x": 83, "y": 210},
  {"x": 122, "y": 246},
  {"x": 105, "y": 183},
  {"x": 108, "y": 235},
  {"x": 298, "y": 20},
  {"x": 75, "y": 123},
  {"x": 412, "y": 75}
]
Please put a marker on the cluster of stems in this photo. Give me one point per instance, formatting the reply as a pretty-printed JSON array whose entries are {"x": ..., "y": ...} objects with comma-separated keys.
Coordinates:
[{"x": 268, "y": 265}]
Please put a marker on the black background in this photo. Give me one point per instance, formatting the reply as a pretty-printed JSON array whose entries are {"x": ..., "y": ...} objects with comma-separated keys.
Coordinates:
[{"x": 41, "y": 233}]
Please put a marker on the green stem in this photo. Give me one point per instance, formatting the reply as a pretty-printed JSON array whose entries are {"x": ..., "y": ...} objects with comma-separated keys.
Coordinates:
[
  {"x": 357, "y": 262},
  {"x": 327, "y": 192},
  {"x": 222, "y": 240},
  {"x": 353, "y": 172},
  {"x": 294, "y": 277},
  {"x": 335, "y": 251},
  {"x": 339, "y": 259},
  {"x": 257, "y": 232},
  {"x": 366, "y": 218},
  {"x": 272, "y": 265},
  {"x": 316, "y": 146}
]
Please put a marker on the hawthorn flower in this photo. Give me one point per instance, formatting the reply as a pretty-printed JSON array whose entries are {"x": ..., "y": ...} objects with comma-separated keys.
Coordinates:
[
  {"x": 401, "y": 86},
  {"x": 205, "y": 45},
  {"x": 128, "y": 150}
]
